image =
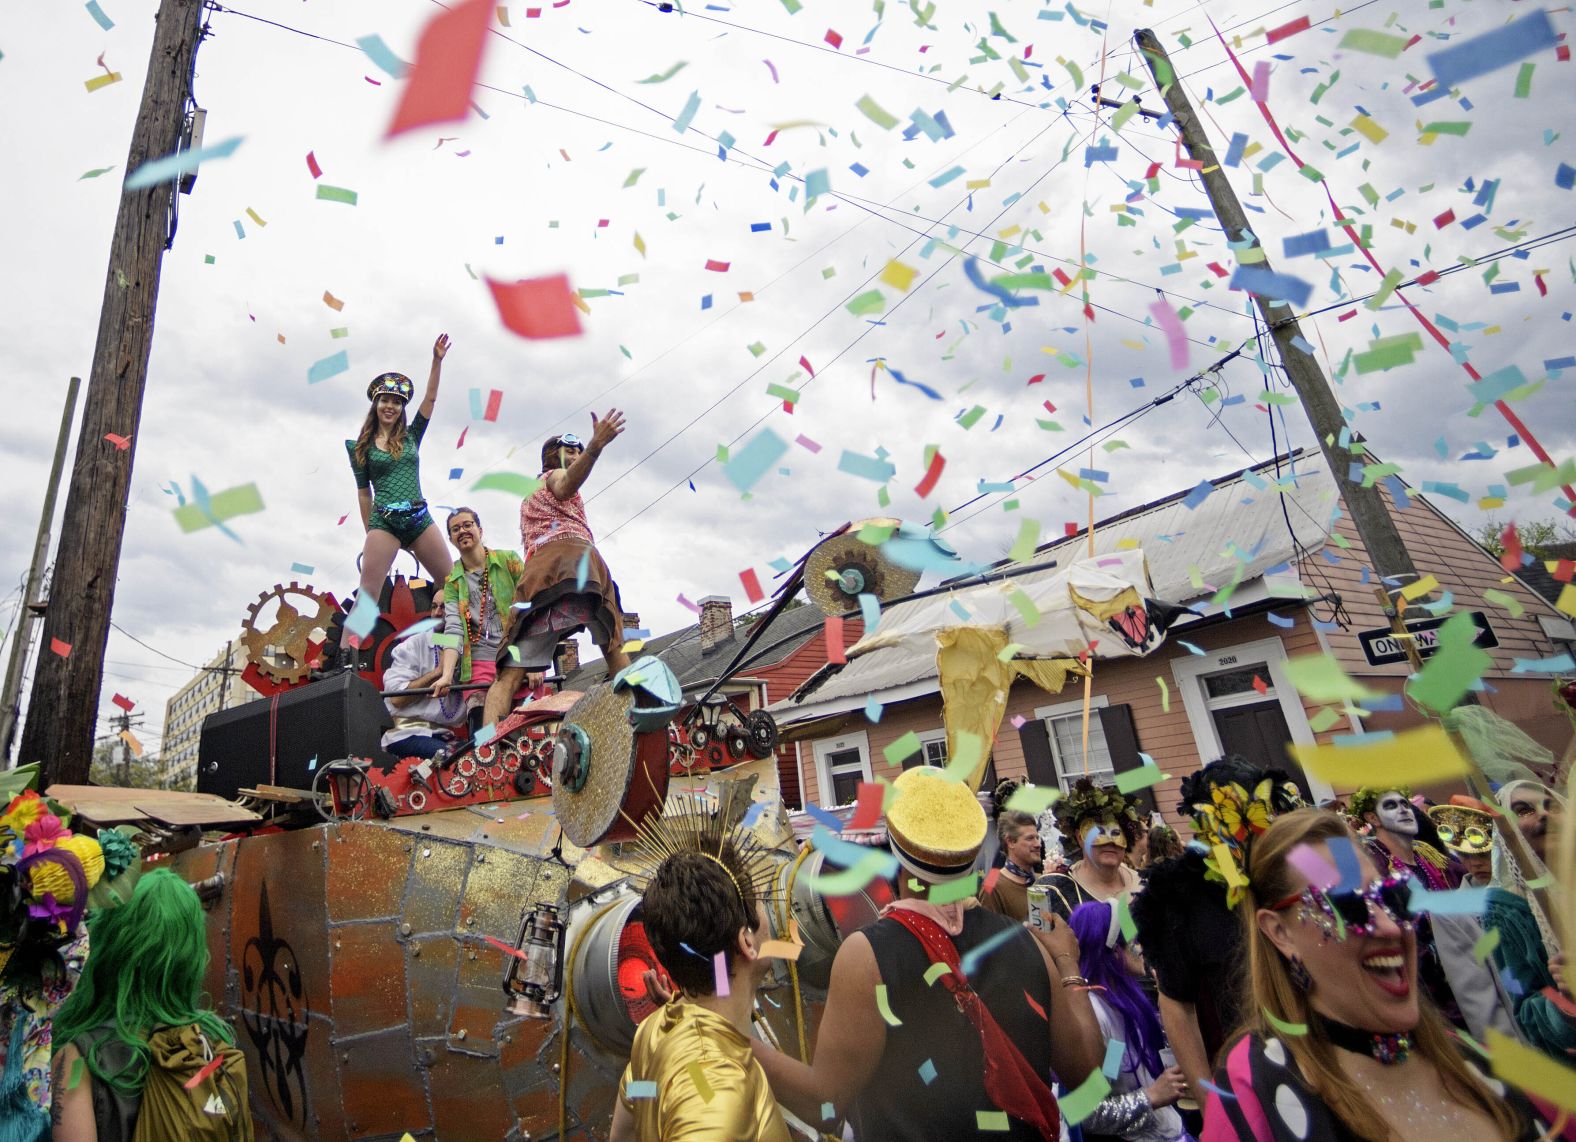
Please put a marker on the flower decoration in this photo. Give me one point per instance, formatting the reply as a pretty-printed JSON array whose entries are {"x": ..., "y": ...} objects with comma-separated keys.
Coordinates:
[
  {"x": 1226, "y": 823},
  {"x": 1086, "y": 801},
  {"x": 1366, "y": 800},
  {"x": 44, "y": 833},
  {"x": 119, "y": 852}
]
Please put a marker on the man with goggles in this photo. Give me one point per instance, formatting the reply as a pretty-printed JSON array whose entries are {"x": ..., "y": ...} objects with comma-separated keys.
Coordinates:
[{"x": 565, "y": 587}]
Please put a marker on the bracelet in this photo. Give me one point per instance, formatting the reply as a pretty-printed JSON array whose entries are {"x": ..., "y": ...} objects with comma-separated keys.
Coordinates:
[{"x": 1075, "y": 981}]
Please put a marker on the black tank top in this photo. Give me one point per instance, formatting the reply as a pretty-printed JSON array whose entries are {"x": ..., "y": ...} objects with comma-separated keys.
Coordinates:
[{"x": 898, "y": 1105}]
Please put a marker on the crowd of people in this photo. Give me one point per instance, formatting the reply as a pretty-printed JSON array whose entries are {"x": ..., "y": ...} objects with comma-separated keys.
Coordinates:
[{"x": 1291, "y": 973}]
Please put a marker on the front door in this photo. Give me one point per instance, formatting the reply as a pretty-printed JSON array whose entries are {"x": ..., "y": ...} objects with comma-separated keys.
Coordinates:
[{"x": 1250, "y": 725}]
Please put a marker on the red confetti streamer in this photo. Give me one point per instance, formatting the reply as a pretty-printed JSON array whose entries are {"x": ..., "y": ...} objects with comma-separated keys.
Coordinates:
[
  {"x": 123, "y": 702},
  {"x": 868, "y": 810},
  {"x": 460, "y": 443},
  {"x": 1260, "y": 685},
  {"x": 1510, "y": 540},
  {"x": 62, "y": 648},
  {"x": 804, "y": 364},
  {"x": 1037, "y": 378},
  {"x": 770, "y": 139},
  {"x": 1445, "y": 219},
  {"x": 932, "y": 474},
  {"x": 717, "y": 267},
  {"x": 1038, "y": 1010},
  {"x": 1275, "y": 35},
  {"x": 752, "y": 585},
  {"x": 835, "y": 651},
  {"x": 537, "y": 308},
  {"x": 120, "y": 442},
  {"x": 311, "y": 165},
  {"x": 505, "y": 948},
  {"x": 209, "y": 1068},
  {"x": 990, "y": 881},
  {"x": 494, "y": 400},
  {"x": 448, "y": 58},
  {"x": 833, "y": 38}
]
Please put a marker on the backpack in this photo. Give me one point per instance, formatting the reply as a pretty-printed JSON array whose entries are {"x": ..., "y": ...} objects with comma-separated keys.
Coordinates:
[{"x": 214, "y": 1109}]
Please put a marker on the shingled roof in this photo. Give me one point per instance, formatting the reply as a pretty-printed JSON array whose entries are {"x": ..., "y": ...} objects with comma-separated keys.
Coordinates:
[{"x": 681, "y": 651}]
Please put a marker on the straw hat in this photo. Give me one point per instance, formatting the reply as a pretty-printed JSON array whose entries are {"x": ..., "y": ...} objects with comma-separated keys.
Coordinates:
[{"x": 936, "y": 826}]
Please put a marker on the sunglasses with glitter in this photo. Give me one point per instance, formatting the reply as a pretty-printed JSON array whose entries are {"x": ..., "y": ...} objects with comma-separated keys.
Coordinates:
[{"x": 1352, "y": 913}]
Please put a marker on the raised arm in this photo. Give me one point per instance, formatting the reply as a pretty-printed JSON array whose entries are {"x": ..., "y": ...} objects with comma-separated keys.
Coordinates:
[
  {"x": 848, "y": 1046},
  {"x": 440, "y": 349},
  {"x": 565, "y": 482}
]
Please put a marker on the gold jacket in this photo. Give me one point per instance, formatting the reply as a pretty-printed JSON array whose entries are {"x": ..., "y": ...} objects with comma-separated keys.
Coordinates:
[{"x": 707, "y": 1083}]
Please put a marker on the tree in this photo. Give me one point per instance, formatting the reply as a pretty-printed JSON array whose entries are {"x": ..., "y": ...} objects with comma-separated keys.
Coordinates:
[
  {"x": 1537, "y": 536},
  {"x": 115, "y": 764}
]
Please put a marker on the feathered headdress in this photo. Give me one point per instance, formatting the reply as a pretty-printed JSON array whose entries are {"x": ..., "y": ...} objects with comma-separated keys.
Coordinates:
[{"x": 1232, "y": 803}]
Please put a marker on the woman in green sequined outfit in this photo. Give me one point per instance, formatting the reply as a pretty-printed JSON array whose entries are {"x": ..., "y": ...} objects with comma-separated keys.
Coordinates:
[{"x": 385, "y": 458}]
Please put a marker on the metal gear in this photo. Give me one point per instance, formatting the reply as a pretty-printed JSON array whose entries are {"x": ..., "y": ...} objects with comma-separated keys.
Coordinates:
[{"x": 290, "y": 637}]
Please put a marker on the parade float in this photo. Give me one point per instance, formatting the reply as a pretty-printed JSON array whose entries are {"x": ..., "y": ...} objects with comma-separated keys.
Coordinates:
[{"x": 452, "y": 948}]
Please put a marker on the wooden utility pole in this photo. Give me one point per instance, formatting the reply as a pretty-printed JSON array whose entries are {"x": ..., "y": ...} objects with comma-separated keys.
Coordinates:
[
  {"x": 1375, "y": 526},
  {"x": 1379, "y": 534},
  {"x": 63, "y": 705},
  {"x": 22, "y": 630}
]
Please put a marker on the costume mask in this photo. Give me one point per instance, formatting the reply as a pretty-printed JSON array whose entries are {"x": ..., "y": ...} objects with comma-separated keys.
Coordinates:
[
  {"x": 1104, "y": 832},
  {"x": 1396, "y": 814}
]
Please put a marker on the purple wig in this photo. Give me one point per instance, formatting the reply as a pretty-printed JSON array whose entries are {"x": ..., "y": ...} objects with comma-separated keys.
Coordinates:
[{"x": 1103, "y": 967}]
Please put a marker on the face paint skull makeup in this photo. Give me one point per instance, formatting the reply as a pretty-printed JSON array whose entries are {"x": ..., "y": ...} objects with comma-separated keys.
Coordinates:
[{"x": 1396, "y": 814}]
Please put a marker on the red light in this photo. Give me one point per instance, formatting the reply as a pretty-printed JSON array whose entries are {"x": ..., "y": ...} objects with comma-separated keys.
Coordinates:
[{"x": 635, "y": 958}]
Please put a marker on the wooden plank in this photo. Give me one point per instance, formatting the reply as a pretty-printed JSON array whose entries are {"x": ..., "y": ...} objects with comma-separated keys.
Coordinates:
[{"x": 186, "y": 813}]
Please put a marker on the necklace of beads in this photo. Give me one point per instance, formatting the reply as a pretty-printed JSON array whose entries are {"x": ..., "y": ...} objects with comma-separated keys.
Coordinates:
[{"x": 472, "y": 637}]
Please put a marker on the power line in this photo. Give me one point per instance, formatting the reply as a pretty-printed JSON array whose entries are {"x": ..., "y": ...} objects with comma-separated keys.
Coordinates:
[
  {"x": 950, "y": 85},
  {"x": 860, "y": 337}
]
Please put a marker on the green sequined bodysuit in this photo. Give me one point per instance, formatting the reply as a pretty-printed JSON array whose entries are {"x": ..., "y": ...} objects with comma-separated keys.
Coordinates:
[{"x": 397, "y": 503}]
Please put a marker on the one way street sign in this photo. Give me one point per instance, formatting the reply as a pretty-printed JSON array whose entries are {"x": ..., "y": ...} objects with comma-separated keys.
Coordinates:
[{"x": 1382, "y": 646}]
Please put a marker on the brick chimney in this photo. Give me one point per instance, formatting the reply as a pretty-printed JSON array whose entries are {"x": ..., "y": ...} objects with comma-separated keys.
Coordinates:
[
  {"x": 716, "y": 622},
  {"x": 566, "y": 657}
]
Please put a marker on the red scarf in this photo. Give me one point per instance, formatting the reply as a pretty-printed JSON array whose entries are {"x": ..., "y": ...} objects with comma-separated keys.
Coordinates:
[{"x": 1010, "y": 1081}]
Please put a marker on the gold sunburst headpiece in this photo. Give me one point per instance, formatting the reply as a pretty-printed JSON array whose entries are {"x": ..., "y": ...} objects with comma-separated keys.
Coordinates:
[{"x": 689, "y": 824}]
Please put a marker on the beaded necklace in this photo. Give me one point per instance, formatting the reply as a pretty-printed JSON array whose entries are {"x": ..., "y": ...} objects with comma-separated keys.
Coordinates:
[{"x": 472, "y": 637}]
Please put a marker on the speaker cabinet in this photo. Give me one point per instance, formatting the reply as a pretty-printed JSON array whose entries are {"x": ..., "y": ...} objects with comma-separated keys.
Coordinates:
[{"x": 285, "y": 739}]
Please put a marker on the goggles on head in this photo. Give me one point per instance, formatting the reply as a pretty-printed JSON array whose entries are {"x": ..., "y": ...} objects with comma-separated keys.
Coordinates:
[
  {"x": 569, "y": 440},
  {"x": 391, "y": 385},
  {"x": 1352, "y": 913}
]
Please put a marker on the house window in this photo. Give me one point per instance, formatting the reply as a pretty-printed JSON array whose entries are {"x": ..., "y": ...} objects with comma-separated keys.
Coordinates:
[
  {"x": 1067, "y": 747},
  {"x": 932, "y": 751},
  {"x": 843, "y": 763},
  {"x": 1064, "y": 727}
]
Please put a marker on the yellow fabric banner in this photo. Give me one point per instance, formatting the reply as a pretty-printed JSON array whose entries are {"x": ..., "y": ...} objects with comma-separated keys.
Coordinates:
[{"x": 975, "y": 681}]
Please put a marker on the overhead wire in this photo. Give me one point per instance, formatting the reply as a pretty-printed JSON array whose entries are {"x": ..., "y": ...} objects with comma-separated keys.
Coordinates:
[{"x": 913, "y": 292}]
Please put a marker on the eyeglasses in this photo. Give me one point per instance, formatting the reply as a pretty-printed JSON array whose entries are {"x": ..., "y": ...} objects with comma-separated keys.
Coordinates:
[{"x": 1353, "y": 913}]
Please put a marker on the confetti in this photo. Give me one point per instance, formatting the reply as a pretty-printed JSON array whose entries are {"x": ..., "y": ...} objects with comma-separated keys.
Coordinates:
[
  {"x": 537, "y": 308},
  {"x": 448, "y": 59},
  {"x": 173, "y": 166}
]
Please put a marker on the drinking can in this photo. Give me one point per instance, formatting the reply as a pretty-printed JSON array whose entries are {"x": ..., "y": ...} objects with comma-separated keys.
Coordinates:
[{"x": 1039, "y": 906}]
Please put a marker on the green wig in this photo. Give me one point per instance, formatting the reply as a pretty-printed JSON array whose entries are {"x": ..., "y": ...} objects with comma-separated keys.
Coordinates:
[{"x": 145, "y": 966}]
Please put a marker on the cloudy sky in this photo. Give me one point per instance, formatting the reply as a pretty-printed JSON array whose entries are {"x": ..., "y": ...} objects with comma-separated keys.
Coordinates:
[{"x": 575, "y": 164}]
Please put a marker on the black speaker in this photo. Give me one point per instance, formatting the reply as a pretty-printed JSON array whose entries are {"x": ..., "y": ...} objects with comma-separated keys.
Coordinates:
[{"x": 285, "y": 739}]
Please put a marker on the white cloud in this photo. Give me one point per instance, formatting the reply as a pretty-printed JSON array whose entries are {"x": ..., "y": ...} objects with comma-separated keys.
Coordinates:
[{"x": 228, "y": 403}]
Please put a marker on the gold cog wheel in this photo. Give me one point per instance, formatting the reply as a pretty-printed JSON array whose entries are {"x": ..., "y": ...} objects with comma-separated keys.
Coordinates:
[{"x": 281, "y": 652}]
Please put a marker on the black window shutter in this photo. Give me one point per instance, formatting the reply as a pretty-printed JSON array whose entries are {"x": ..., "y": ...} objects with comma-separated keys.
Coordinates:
[
  {"x": 1122, "y": 740},
  {"x": 1037, "y": 756}
]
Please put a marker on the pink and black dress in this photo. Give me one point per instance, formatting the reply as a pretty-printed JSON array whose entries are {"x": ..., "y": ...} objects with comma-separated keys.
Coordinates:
[{"x": 566, "y": 586}]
